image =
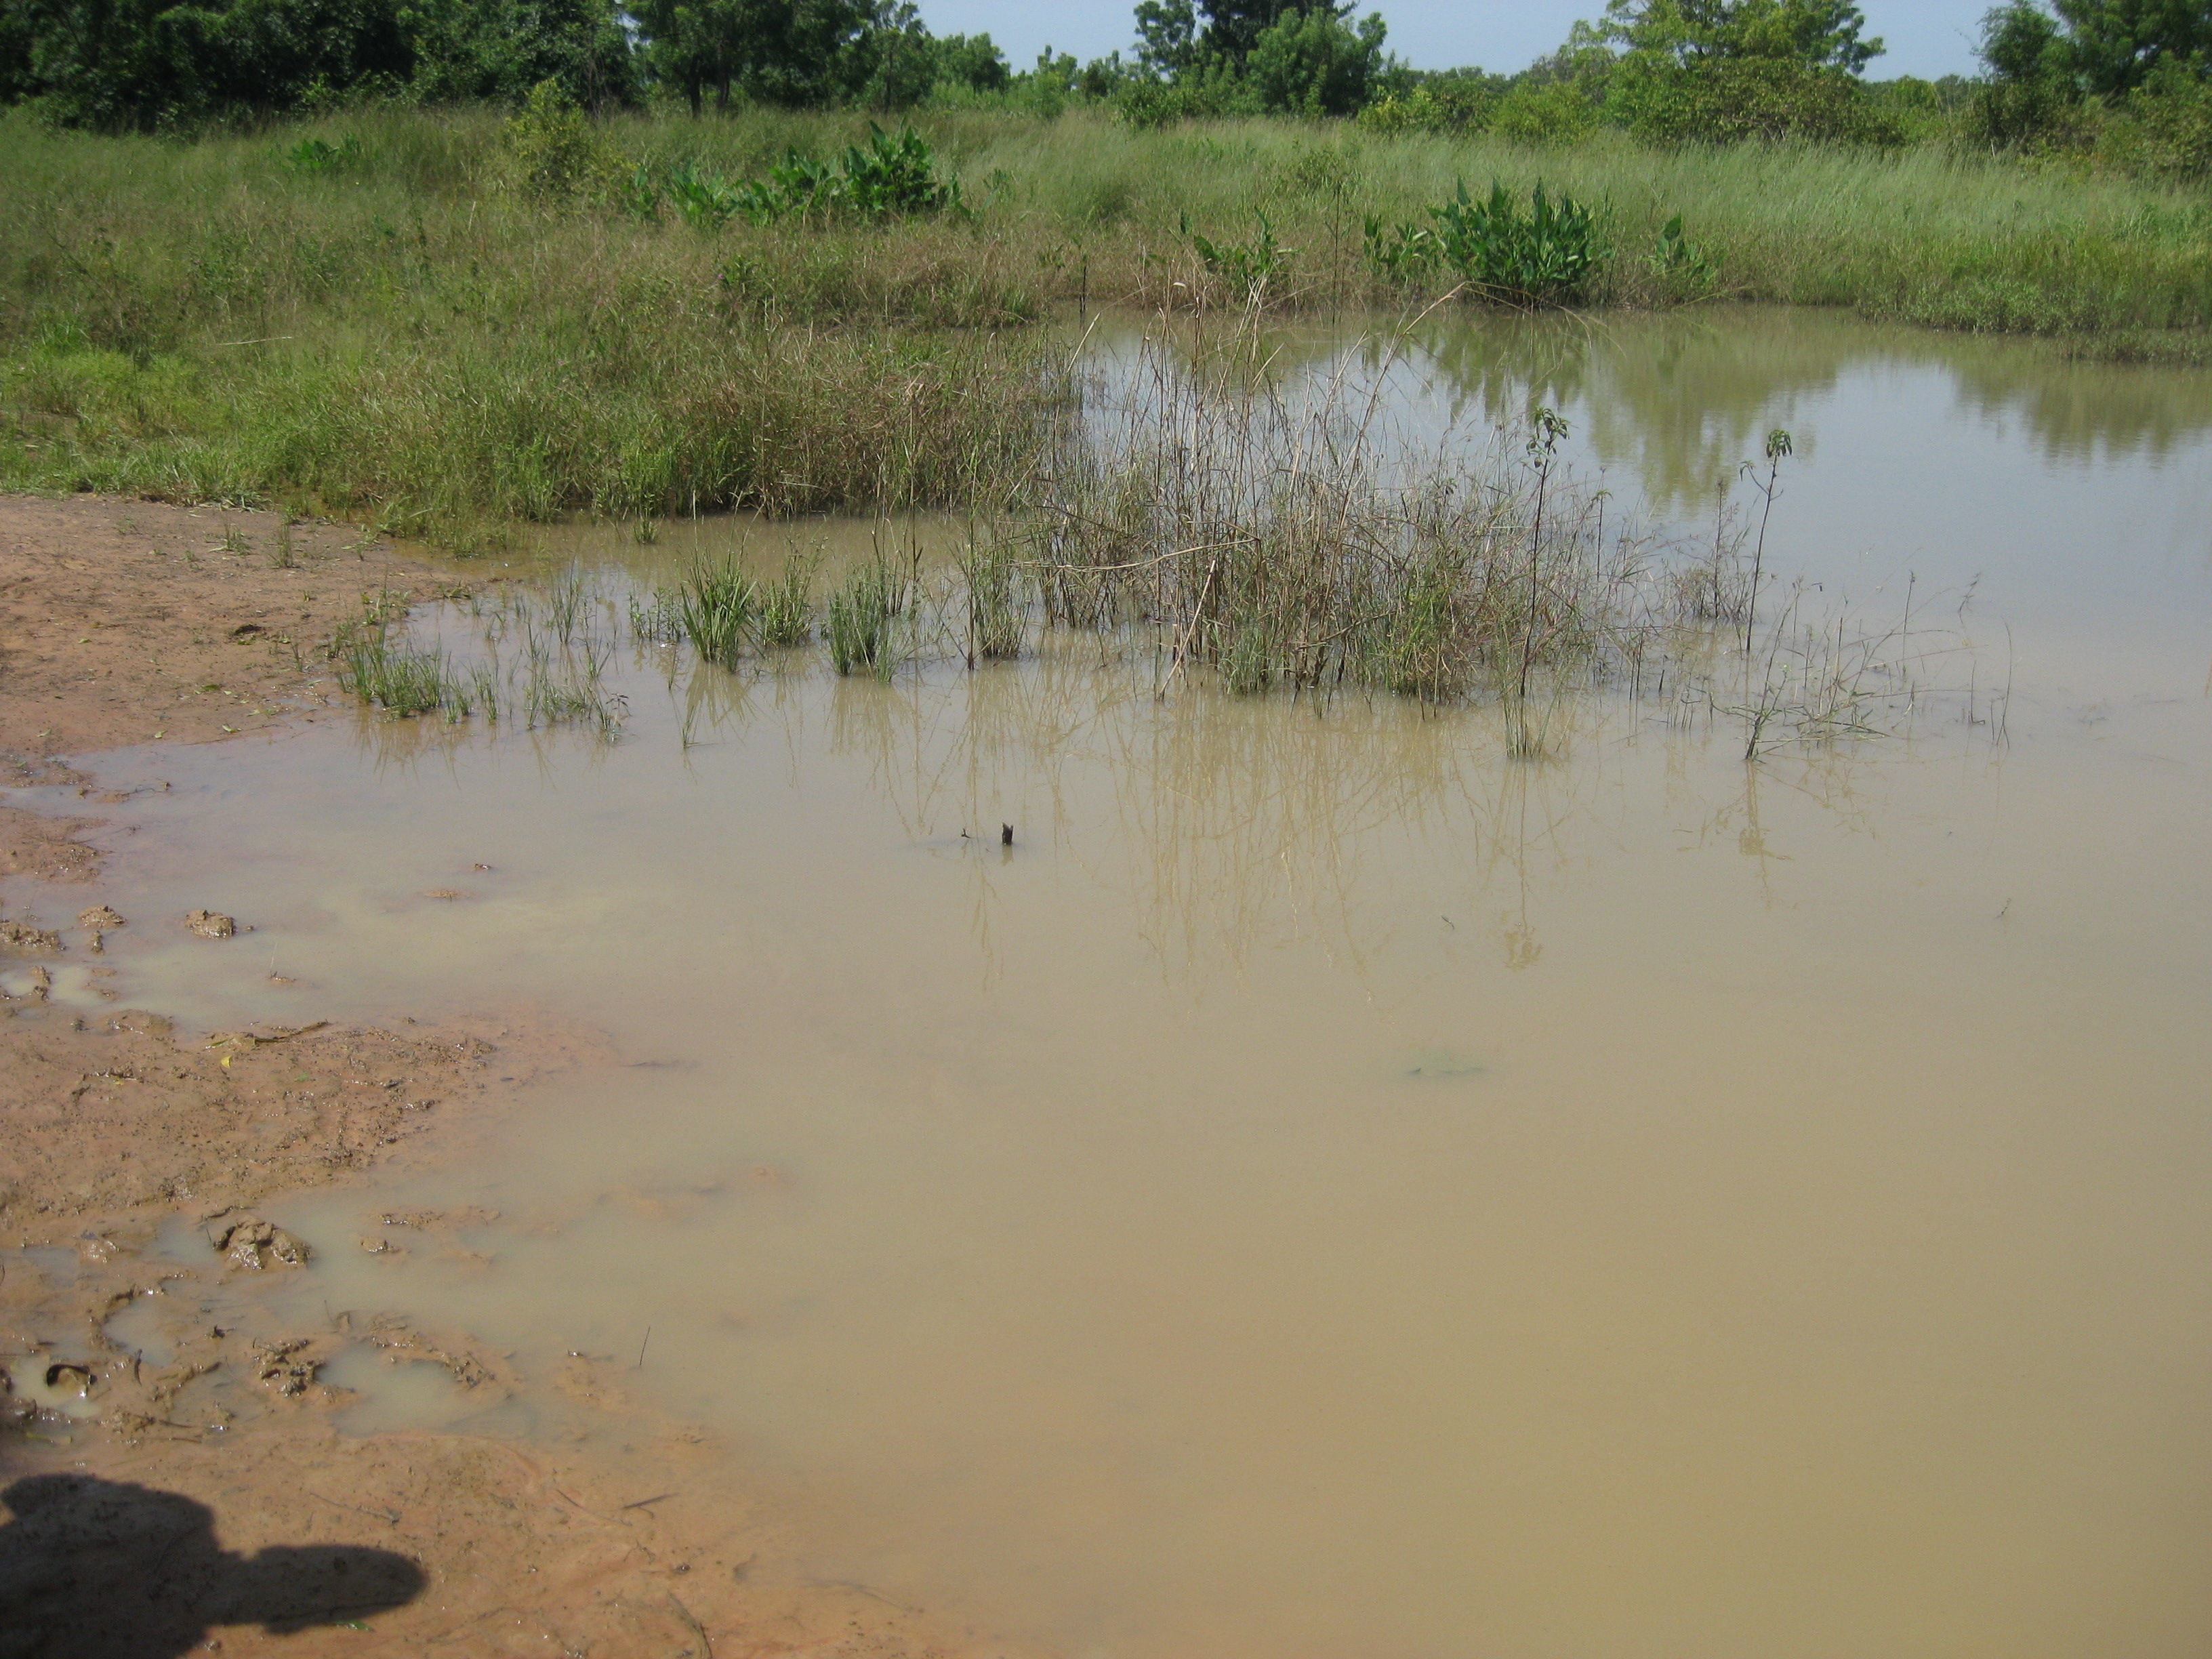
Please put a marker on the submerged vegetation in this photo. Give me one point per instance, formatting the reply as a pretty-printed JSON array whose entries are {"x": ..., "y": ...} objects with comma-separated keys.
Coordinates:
[
  {"x": 1211, "y": 519},
  {"x": 542, "y": 661},
  {"x": 1292, "y": 540}
]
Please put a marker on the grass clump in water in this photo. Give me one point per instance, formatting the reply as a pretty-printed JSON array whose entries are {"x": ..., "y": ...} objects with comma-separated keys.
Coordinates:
[
  {"x": 1282, "y": 542},
  {"x": 863, "y": 614},
  {"x": 406, "y": 680},
  {"x": 1283, "y": 539},
  {"x": 714, "y": 608},
  {"x": 990, "y": 570},
  {"x": 786, "y": 604}
]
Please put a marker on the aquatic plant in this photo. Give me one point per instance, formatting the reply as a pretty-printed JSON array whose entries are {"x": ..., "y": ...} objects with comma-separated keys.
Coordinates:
[
  {"x": 400, "y": 678},
  {"x": 990, "y": 569},
  {"x": 862, "y": 611},
  {"x": 888, "y": 177},
  {"x": 715, "y": 606},
  {"x": 1549, "y": 254},
  {"x": 786, "y": 604}
]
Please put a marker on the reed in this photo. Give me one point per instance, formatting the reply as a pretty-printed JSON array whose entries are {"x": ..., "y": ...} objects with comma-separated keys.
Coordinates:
[
  {"x": 715, "y": 607},
  {"x": 787, "y": 605},
  {"x": 990, "y": 569},
  {"x": 402, "y": 679},
  {"x": 863, "y": 613}
]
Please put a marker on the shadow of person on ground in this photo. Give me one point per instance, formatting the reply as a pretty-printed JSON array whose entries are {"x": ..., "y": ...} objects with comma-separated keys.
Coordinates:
[{"x": 98, "y": 1567}]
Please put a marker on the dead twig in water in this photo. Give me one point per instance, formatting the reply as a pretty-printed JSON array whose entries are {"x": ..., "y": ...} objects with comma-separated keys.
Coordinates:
[{"x": 697, "y": 1629}]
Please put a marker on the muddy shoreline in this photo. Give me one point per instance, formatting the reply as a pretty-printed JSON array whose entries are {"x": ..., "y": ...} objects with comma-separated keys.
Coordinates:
[{"x": 189, "y": 1485}]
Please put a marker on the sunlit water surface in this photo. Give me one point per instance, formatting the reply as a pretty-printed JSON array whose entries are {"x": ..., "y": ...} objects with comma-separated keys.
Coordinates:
[{"x": 1328, "y": 1188}]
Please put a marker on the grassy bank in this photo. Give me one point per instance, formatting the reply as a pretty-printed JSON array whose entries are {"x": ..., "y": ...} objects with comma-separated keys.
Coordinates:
[{"x": 428, "y": 324}]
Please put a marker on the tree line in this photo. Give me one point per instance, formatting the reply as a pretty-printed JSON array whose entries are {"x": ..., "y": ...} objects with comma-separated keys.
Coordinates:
[{"x": 2056, "y": 73}]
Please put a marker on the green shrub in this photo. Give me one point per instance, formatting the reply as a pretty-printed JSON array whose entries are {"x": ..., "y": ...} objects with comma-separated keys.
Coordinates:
[
  {"x": 552, "y": 151},
  {"x": 1544, "y": 256},
  {"x": 889, "y": 177},
  {"x": 1544, "y": 117},
  {"x": 2165, "y": 126},
  {"x": 1721, "y": 100}
]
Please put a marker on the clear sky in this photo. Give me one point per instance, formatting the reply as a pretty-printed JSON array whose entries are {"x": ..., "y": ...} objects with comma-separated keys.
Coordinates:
[{"x": 1927, "y": 37}]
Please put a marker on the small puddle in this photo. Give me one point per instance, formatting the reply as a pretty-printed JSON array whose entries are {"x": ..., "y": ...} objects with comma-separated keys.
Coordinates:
[{"x": 1326, "y": 1186}]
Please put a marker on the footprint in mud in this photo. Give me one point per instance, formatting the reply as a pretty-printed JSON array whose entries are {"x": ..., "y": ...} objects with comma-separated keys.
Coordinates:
[
  {"x": 40, "y": 1384},
  {"x": 92, "y": 1566}
]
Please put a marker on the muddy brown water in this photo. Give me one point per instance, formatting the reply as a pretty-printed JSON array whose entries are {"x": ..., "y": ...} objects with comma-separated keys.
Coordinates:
[{"x": 1328, "y": 1188}]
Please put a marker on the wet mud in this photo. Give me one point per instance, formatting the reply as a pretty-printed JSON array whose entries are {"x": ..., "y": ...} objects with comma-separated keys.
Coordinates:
[{"x": 175, "y": 1466}]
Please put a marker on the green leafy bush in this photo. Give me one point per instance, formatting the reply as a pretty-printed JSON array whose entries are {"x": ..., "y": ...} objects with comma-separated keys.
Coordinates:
[
  {"x": 1249, "y": 268},
  {"x": 315, "y": 155},
  {"x": 1544, "y": 117},
  {"x": 1727, "y": 100},
  {"x": 1546, "y": 255},
  {"x": 2165, "y": 126},
  {"x": 1453, "y": 104},
  {"x": 889, "y": 178},
  {"x": 551, "y": 149}
]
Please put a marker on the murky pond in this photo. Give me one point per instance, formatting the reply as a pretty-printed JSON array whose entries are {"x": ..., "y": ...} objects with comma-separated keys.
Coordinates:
[{"x": 1327, "y": 1188}]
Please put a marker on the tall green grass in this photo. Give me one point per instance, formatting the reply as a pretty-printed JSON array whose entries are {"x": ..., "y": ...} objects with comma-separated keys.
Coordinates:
[{"x": 431, "y": 337}]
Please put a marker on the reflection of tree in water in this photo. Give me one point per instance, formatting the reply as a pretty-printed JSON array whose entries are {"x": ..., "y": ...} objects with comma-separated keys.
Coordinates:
[
  {"x": 1681, "y": 399},
  {"x": 2082, "y": 411}
]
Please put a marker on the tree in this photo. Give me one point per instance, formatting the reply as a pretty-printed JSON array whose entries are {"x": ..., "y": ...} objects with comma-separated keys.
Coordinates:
[
  {"x": 1310, "y": 63},
  {"x": 500, "y": 50},
  {"x": 1172, "y": 44},
  {"x": 973, "y": 61},
  {"x": 1167, "y": 35},
  {"x": 142, "y": 64},
  {"x": 2113, "y": 45},
  {"x": 779, "y": 51},
  {"x": 1721, "y": 71},
  {"x": 2022, "y": 42},
  {"x": 1233, "y": 27},
  {"x": 1812, "y": 33}
]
